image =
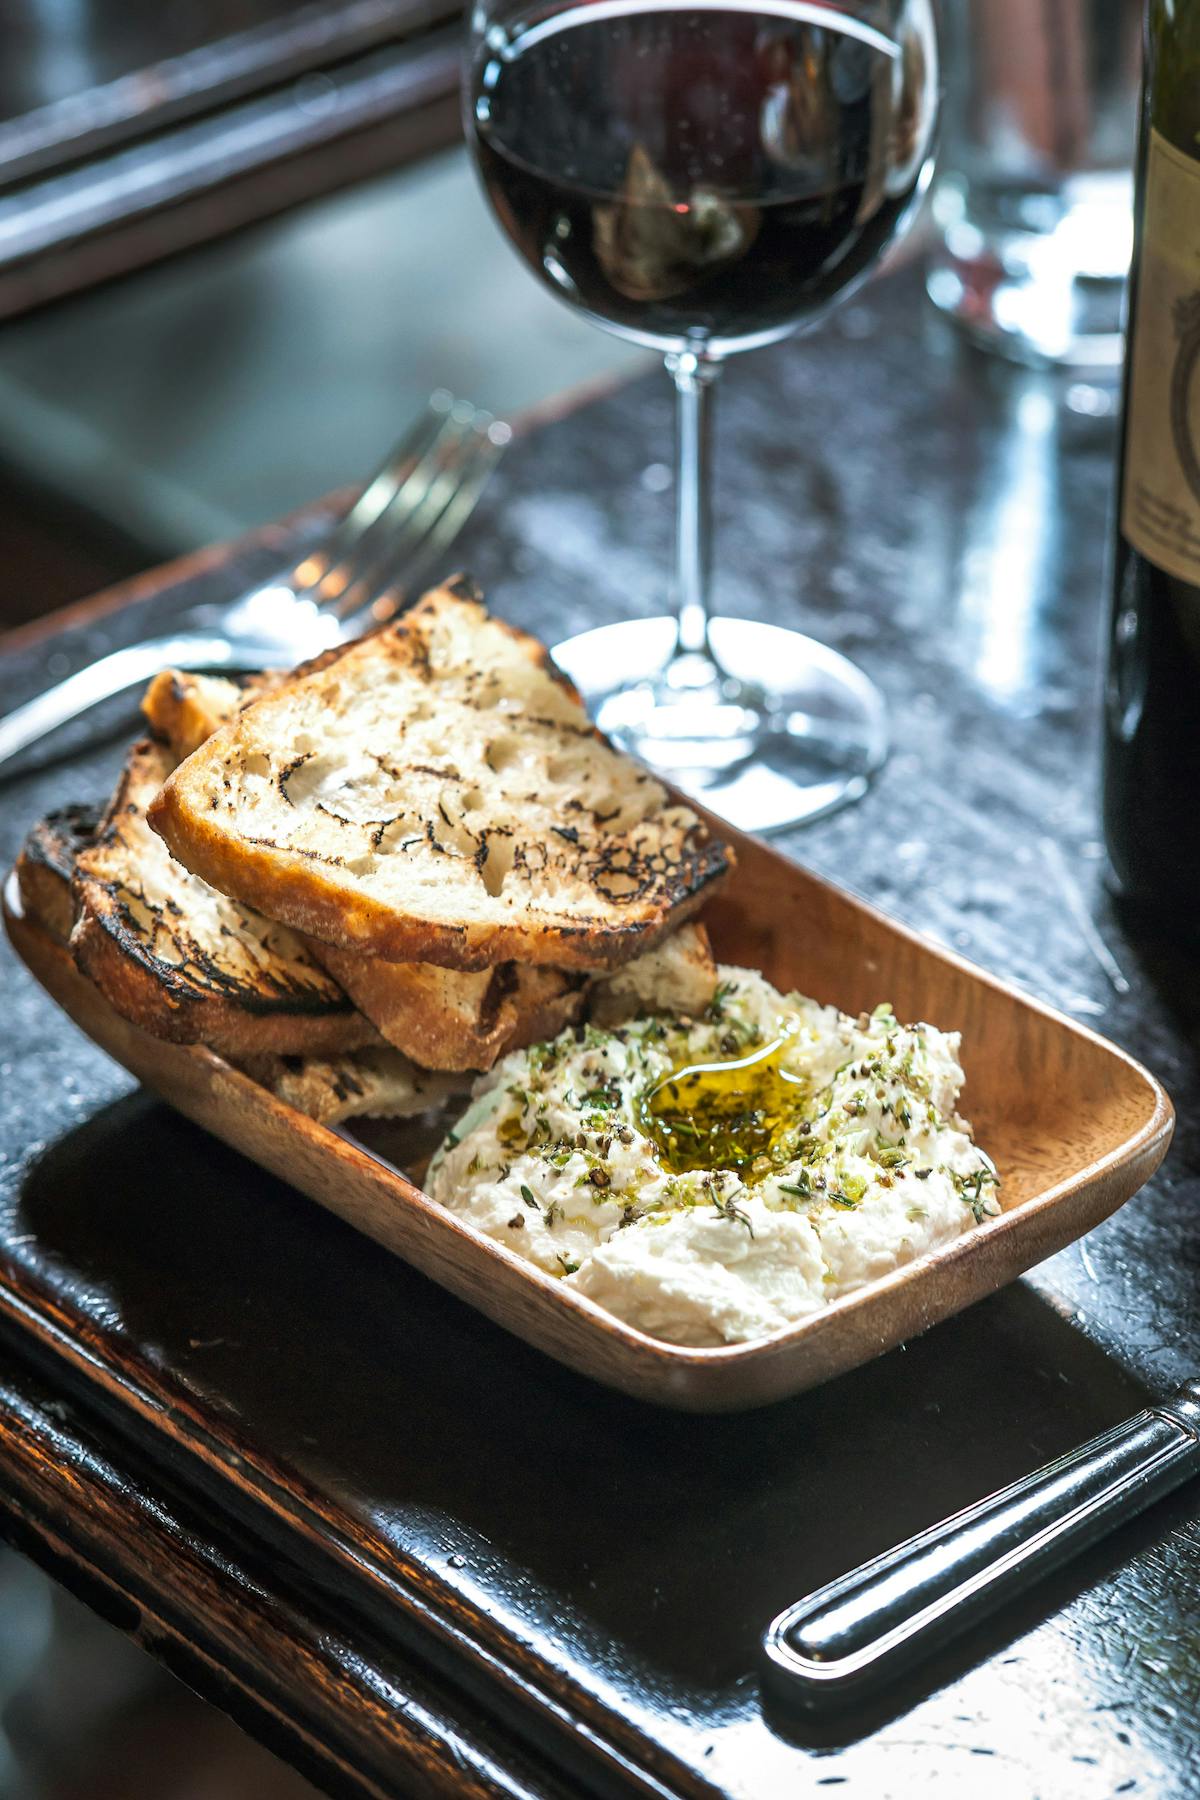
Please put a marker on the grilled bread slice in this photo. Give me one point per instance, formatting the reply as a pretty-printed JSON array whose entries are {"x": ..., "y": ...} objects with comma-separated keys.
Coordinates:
[
  {"x": 183, "y": 961},
  {"x": 436, "y": 793},
  {"x": 445, "y": 1018},
  {"x": 457, "y": 1018},
  {"x": 452, "y": 1018},
  {"x": 46, "y": 867}
]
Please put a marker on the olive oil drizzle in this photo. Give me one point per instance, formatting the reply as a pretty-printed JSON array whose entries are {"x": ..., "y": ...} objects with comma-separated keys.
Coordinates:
[{"x": 735, "y": 1114}]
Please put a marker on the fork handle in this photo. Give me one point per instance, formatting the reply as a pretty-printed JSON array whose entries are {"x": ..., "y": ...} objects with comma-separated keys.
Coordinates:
[
  {"x": 872, "y": 1624},
  {"x": 114, "y": 673}
]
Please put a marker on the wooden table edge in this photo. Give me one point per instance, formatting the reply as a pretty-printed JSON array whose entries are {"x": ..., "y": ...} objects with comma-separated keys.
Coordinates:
[{"x": 374, "y": 1726}]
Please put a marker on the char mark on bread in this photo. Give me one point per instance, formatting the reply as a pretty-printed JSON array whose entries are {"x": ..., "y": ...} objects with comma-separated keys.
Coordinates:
[
  {"x": 183, "y": 961},
  {"x": 46, "y": 866}
]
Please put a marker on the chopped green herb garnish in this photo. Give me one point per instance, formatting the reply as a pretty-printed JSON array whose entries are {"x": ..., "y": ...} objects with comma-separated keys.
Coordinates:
[
  {"x": 970, "y": 1192},
  {"x": 729, "y": 1209}
]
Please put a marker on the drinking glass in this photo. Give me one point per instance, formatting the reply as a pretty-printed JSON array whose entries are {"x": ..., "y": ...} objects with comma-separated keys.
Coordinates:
[
  {"x": 1035, "y": 184},
  {"x": 703, "y": 176}
]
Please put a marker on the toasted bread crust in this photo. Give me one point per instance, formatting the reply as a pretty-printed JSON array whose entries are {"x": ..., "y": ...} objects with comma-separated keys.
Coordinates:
[
  {"x": 269, "y": 810},
  {"x": 291, "y": 887},
  {"x": 175, "y": 1008},
  {"x": 197, "y": 970},
  {"x": 185, "y": 709},
  {"x": 46, "y": 866},
  {"x": 452, "y": 1019}
]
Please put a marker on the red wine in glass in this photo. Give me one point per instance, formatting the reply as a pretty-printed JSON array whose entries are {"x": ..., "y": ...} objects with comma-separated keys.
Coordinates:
[
  {"x": 664, "y": 169},
  {"x": 702, "y": 178}
]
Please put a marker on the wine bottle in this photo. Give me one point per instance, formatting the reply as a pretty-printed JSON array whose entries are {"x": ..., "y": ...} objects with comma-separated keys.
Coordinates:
[{"x": 1152, "y": 696}]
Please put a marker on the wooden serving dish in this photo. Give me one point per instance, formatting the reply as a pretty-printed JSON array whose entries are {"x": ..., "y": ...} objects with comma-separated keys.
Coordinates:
[{"x": 1075, "y": 1127}]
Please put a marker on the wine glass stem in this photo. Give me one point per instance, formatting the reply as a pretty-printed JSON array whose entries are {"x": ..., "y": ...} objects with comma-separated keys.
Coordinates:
[{"x": 694, "y": 376}]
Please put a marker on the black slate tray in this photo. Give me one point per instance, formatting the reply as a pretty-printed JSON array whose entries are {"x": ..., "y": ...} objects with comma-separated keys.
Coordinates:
[{"x": 591, "y": 1574}]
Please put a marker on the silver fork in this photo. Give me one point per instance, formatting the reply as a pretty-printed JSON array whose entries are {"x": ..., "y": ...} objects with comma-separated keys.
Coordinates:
[{"x": 407, "y": 514}]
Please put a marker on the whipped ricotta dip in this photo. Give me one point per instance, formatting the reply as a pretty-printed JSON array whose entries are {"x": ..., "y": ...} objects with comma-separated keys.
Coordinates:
[{"x": 713, "y": 1179}]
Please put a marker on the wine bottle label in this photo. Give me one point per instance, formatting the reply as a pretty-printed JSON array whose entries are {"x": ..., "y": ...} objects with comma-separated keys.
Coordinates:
[{"x": 1160, "y": 499}]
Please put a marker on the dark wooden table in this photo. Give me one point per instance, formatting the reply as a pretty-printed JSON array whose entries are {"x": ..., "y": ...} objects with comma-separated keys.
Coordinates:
[{"x": 417, "y": 1558}]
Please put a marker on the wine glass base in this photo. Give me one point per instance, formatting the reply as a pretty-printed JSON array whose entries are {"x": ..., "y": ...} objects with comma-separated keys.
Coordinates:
[{"x": 812, "y": 740}]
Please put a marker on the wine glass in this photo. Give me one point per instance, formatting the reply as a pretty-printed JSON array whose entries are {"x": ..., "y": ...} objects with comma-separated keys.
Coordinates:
[{"x": 703, "y": 176}]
